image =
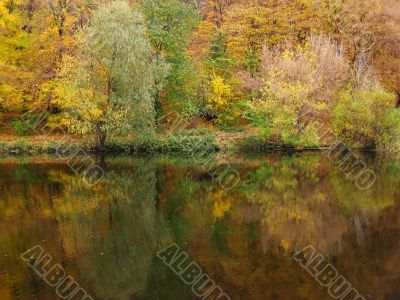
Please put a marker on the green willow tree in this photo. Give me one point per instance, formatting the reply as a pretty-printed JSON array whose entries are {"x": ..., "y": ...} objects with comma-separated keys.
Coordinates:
[{"x": 108, "y": 87}]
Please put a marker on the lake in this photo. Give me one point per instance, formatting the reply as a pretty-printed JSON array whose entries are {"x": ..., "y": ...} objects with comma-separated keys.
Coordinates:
[{"x": 118, "y": 238}]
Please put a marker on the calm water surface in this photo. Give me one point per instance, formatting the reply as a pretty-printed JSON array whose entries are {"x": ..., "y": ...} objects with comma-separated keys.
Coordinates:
[{"x": 107, "y": 236}]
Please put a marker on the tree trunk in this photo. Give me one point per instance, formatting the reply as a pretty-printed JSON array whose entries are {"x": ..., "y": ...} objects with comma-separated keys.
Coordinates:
[{"x": 101, "y": 138}]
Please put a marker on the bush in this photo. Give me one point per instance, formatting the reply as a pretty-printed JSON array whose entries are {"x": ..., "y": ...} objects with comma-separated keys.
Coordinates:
[
  {"x": 367, "y": 118},
  {"x": 3, "y": 146},
  {"x": 147, "y": 146},
  {"x": 118, "y": 146},
  {"x": 223, "y": 99},
  {"x": 22, "y": 128},
  {"x": 190, "y": 141},
  {"x": 278, "y": 114},
  {"x": 19, "y": 146},
  {"x": 26, "y": 126},
  {"x": 227, "y": 128},
  {"x": 255, "y": 144},
  {"x": 184, "y": 142},
  {"x": 296, "y": 83},
  {"x": 136, "y": 146},
  {"x": 53, "y": 146}
]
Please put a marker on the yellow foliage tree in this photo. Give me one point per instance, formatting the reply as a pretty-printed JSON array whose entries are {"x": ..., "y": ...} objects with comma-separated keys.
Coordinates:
[
  {"x": 13, "y": 40},
  {"x": 54, "y": 27},
  {"x": 221, "y": 92},
  {"x": 250, "y": 27}
]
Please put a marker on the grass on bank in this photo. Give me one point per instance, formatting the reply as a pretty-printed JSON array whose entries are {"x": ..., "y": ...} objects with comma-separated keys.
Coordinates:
[{"x": 185, "y": 142}]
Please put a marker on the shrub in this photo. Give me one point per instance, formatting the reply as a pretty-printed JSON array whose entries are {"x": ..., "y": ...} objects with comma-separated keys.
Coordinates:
[
  {"x": 52, "y": 146},
  {"x": 3, "y": 146},
  {"x": 19, "y": 146},
  {"x": 151, "y": 145},
  {"x": 223, "y": 99},
  {"x": 227, "y": 128},
  {"x": 296, "y": 83},
  {"x": 118, "y": 146},
  {"x": 321, "y": 66},
  {"x": 190, "y": 141},
  {"x": 367, "y": 118},
  {"x": 254, "y": 144},
  {"x": 26, "y": 126},
  {"x": 278, "y": 114},
  {"x": 22, "y": 128}
]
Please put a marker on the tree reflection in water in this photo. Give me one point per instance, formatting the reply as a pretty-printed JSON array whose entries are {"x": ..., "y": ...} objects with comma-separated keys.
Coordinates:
[{"x": 106, "y": 236}]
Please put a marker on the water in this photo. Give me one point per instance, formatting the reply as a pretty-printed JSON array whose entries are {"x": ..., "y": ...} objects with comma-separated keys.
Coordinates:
[{"x": 107, "y": 236}]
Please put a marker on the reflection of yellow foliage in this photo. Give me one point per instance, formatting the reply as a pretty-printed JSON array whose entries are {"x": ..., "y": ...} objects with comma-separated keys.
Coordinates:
[
  {"x": 47, "y": 213},
  {"x": 220, "y": 208},
  {"x": 221, "y": 204},
  {"x": 294, "y": 215},
  {"x": 284, "y": 244},
  {"x": 9, "y": 212}
]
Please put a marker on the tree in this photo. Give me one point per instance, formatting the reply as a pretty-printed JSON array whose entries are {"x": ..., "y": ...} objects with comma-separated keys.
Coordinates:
[
  {"x": 218, "y": 10},
  {"x": 367, "y": 31},
  {"x": 13, "y": 41},
  {"x": 252, "y": 25},
  {"x": 53, "y": 25},
  {"x": 170, "y": 24},
  {"x": 358, "y": 25},
  {"x": 107, "y": 87},
  {"x": 387, "y": 62}
]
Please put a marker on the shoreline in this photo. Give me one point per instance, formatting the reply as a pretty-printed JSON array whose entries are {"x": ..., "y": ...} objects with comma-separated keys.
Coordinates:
[{"x": 175, "y": 145}]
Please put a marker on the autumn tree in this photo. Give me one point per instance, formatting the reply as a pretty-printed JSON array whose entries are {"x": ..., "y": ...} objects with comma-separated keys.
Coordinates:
[
  {"x": 387, "y": 61},
  {"x": 250, "y": 27},
  {"x": 53, "y": 25},
  {"x": 107, "y": 88},
  {"x": 13, "y": 41},
  {"x": 367, "y": 30}
]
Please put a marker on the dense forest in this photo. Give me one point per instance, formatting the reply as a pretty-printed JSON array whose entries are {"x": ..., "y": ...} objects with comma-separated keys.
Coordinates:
[{"x": 285, "y": 69}]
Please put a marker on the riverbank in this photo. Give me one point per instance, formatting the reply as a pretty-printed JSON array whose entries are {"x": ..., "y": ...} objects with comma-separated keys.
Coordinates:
[{"x": 179, "y": 143}]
